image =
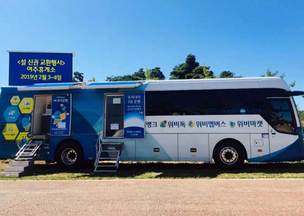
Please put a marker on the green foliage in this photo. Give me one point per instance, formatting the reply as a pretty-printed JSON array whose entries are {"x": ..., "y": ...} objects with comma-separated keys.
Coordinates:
[
  {"x": 141, "y": 74},
  {"x": 120, "y": 78},
  {"x": 78, "y": 76},
  {"x": 164, "y": 170},
  {"x": 301, "y": 116},
  {"x": 185, "y": 70},
  {"x": 190, "y": 69},
  {"x": 226, "y": 74},
  {"x": 292, "y": 84},
  {"x": 200, "y": 72},
  {"x": 92, "y": 80},
  {"x": 269, "y": 73},
  {"x": 154, "y": 74}
]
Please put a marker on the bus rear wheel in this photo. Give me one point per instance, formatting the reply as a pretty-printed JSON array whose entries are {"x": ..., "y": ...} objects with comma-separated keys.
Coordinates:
[
  {"x": 69, "y": 155},
  {"x": 229, "y": 155}
]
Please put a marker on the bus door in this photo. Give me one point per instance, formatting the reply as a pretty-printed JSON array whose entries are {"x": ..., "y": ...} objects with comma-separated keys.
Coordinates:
[
  {"x": 52, "y": 115},
  {"x": 42, "y": 114},
  {"x": 114, "y": 116}
]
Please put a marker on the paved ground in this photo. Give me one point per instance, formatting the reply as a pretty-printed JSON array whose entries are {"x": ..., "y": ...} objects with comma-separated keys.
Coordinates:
[{"x": 152, "y": 197}]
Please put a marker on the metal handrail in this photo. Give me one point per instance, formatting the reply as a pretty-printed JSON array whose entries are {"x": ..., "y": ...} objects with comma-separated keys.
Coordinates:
[
  {"x": 21, "y": 149},
  {"x": 98, "y": 148},
  {"x": 33, "y": 151}
]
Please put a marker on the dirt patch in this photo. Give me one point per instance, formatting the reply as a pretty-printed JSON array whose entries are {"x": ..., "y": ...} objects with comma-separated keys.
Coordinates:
[{"x": 3, "y": 164}]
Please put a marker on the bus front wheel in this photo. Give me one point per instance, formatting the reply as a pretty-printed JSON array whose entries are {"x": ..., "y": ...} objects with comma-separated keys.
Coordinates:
[
  {"x": 69, "y": 155},
  {"x": 229, "y": 154}
]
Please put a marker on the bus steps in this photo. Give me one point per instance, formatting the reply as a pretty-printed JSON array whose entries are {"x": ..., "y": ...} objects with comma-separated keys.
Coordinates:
[
  {"x": 107, "y": 157},
  {"x": 28, "y": 151},
  {"x": 24, "y": 160}
]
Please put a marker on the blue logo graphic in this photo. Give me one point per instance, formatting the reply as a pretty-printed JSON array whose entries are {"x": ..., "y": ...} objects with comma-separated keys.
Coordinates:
[
  {"x": 11, "y": 114},
  {"x": 26, "y": 123}
]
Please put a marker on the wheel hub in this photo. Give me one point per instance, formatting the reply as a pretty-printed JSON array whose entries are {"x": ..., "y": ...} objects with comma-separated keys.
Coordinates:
[
  {"x": 69, "y": 156},
  {"x": 229, "y": 155}
]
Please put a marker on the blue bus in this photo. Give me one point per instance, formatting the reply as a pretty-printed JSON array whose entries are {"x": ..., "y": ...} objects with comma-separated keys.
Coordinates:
[{"x": 225, "y": 121}]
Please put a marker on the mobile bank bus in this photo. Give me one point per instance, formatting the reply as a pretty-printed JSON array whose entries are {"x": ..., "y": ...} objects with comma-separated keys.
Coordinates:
[{"x": 226, "y": 121}]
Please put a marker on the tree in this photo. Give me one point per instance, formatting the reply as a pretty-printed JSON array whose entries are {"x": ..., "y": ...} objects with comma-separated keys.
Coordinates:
[
  {"x": 141, "y": 74},
  {"x": 155, "y": 74},
  {"x": 191, "y": 69},
  {"x": 78, "y": 76},
  {"x": 181, "y": 71},
  {"x": 200, "y": 72},
  {"x": 226, "y": 74},
  {"x": 301, "y": 115},
  {"x": 119, "y": 78},
  {"x": 269, "y": 73},
  {"x": 292, "y": 84},
  {"x": 92, "y": 80}
]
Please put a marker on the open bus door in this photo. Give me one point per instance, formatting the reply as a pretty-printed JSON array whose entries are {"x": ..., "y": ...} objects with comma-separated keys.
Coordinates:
[
  {"x": 41, "y": 115},
  {"x": 114, "y": 116},
  {"x": 124, "y": 115},
  {"x": 52, "y": 115}
]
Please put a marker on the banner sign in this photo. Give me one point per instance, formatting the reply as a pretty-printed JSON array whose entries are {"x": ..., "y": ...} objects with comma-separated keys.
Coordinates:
[
  {"x": 29, "y": 68},
  {"x": 206, "y": 124},
  {"x": 134, "y": 119},
  {"x": 61, "y": 115}
]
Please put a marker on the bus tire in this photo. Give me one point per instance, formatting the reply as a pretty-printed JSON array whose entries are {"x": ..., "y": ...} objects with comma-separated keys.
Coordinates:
[
  {"x": 229, "y": 154},
  {"x": 69, "y": 155}
]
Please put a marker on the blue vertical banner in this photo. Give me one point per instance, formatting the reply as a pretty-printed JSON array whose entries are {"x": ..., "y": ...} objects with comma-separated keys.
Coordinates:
[
  {"x": 61, "y": 115},
  {"x": 134, "y": 118},
  {"x": 26, "y": 68}
]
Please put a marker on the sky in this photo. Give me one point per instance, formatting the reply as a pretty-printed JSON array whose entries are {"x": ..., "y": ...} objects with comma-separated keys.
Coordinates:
[{"x": 116, "y": 37}]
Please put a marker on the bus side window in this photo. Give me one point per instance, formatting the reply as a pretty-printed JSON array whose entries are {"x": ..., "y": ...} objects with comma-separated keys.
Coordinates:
[{"x": 279, "y": 112}]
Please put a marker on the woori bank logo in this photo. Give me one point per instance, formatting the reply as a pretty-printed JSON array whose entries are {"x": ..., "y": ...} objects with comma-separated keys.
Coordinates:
[
  {"x": 163, "y": 124},
  {"x": 232, "y": 124},
  {"x": 191, "y": 124}
]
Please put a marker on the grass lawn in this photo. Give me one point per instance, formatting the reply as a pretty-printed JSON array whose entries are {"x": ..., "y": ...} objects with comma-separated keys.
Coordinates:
[{"x": 167, "y": 170}]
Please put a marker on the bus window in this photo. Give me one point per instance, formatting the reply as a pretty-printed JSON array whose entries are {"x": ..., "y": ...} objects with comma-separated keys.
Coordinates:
[
  {"x": 207, "y": 102},
  {"x": 280, "y": 115}
]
